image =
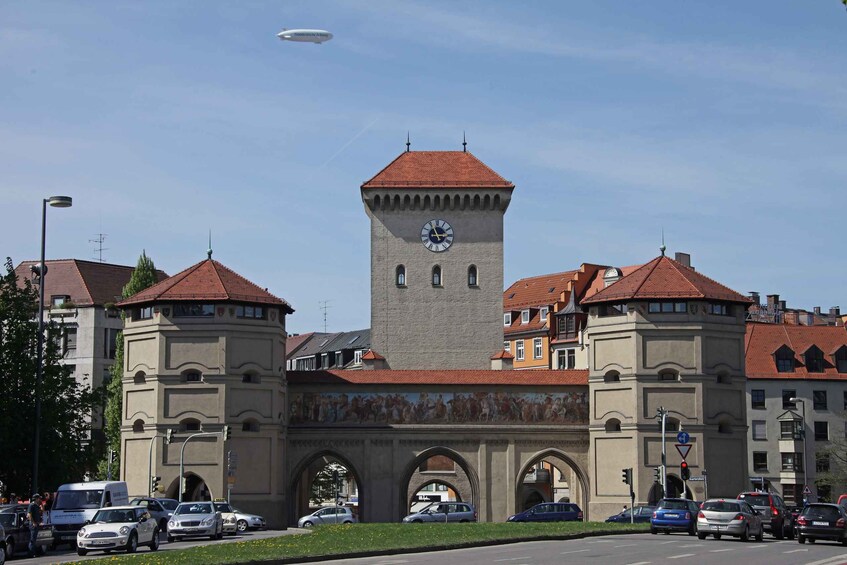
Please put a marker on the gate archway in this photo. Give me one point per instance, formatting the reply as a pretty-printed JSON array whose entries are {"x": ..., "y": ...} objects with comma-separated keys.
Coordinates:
[
  {"x": 526, "y": 495},
  {"x": 468, "y": 492},
  {"x": 304, "y": 475},
  {"x": 195, "y": 488}
]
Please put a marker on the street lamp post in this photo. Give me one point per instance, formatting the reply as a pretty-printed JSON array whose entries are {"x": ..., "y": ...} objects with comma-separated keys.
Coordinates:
[
  {"x": 222, "y": 434},
  {"x": 56, "y": 202},
  {"x": 795, "y": 400},
  {"x": 662, "y": 416}
]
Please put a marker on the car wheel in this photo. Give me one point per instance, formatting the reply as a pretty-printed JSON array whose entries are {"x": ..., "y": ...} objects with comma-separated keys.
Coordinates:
[
  {"x": 307, "y": 524},
  {"x": 811, "y": 540},
  {"x": 718, "y": 536},
  {"x": 777, "y": 532},
  {"x": 790, "y": 534},
  {"x": 154, "y": 543},
  {"x": 463, "y": 521},
  {"x": 81, "y": 552},
  {"x": 701, "y": 536},
  {"x": 761, "y": 535},
  {"x": 692, "y": 531},
  {"x": 746, "y": 534},
  {"x": 242, "y": 526},
  {"x": 653, "y": 530},
  {"x": 350, "y": 521},
  {"x": 801, "y": 539},
  {"x": 132, "y": 543},
  {"x": 10, "y": 549},
  {"x": 843, "y": 541}
]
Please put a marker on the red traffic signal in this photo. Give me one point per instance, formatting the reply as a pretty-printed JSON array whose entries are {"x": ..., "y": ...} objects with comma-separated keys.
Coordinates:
[{"x": 684, "y": 471}]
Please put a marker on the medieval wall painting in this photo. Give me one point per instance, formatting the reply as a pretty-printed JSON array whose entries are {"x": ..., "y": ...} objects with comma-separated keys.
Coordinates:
[{"x": 346, "y": 408}]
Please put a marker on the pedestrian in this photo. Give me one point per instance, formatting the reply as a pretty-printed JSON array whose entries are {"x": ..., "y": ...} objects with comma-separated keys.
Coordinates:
[
  {"x": 624, "y": 508},
  {"x": 34, "y": 516},
  {"x": 47, "y": 505}
]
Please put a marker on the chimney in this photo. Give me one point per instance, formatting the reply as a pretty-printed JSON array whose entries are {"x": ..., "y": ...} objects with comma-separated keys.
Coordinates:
[
  {"x": 773, "y": 300},
  {"x": 684, "y": 258},
  {"x": 835, "y": 311},
  {"x": 754, "y": 296},
  {"x": 782, "y": 305},
  {"x": 817, "y": 310}
]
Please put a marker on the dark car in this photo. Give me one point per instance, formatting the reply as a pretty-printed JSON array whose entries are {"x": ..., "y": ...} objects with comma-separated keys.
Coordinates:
[
  {"x": 641, "y": 514},
  {"x": 822, "y": 521},
  {"x": 549, "y": 512},
  {"x": 776, "y": 518},
  {"x": 13, "y": 518},
  {"x": 675, "y": 515}
]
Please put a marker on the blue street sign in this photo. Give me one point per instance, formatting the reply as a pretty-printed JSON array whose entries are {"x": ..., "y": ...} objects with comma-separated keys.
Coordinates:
[{"x": 683, "y": 437}]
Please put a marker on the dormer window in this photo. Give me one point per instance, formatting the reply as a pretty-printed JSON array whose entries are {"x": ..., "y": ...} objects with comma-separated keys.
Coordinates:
[
  {"x": 507, "y": 319},
  {"x": 841, "y": 359},
  {"x": 524, "y": 316},
  {"x": 814, "y": 360},
  {"x": 784, "y": 360},
  {"x": 543, "y": 314},
  {"x": 57, "y": 300}
]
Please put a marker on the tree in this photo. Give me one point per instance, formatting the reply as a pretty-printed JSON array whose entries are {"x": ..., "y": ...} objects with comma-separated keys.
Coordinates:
[
  {"x": 65, "y": 450},
  {"x": 325, "y": 487},
  {"x": 143, "y": 276}
]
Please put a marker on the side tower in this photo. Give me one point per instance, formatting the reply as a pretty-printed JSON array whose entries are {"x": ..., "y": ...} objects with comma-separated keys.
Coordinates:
[
  {"x": 436, "y": 260},
  {"x": 205, "y": 349},
  {"x": 665, "y": 336}
]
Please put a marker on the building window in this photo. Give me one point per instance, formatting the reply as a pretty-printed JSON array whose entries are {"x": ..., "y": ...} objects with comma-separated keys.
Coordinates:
[
  {"x": 339, "y": 359},
  {"x": 606, "y": 310},
  {"x": 357, "y": 356},
  {"x": 612, "y": 377},
  {"x": 507, "y": 319},
  {"x": 792, "y": 462},
  {"x": 790, "y": 429},
  {"x": 822, "y": 462},
  {"x": 436, "y": 276},
  {"x": 537, "y": 348},
  {"x": 671, "y": 425},
  {"x": 142, "y": 313},
  {"x": 760, "y": 460},
  {"x": 400, "y": 275},
  {"x": 250, "y": 378},
  {"x": 507, "y": 346},
  {"x": 472, "y": 276},
  {"x": 193, "y": 377},
  {"x": 562, "y": 359},
  {"x": 250, "y": 426},
  {"x": 668, "y": 376},
  {"x": 757, "y": 398},
  {"x": 787, "y": 395},
  {"x": 667, "y": 307},
  {"x": 814, "y": 360},
  {"x": 524, "y": 316},
  {"x": 111, "y": 342},
  {"x": 718, "y": 309},
  {"x": 57, "y": 300},
  {"x": 68, "y": 345},
  {"x": 194, "y": 310},
  {"x": 760, "y": 430},
  {"x": 613, "y": 425},
  {"x": 324, "y": 361},
  {"x": 819, "y": 399},
  {"x": 567, "y": 326},
  {"x": 841, "y": 360},
  {"x": 520, "y": 351},
  {"x": 821, "y": 431},
  {"x": 190, "y": 425},
  {"x": 542, "y": 315},
  {"x": 250, "y": 312},
  {"x": 571, "y": 358},
  {"x": 138, "y": 426},
  {"x": 785, "y": 360},
  {"x": 724, "y": 378}
]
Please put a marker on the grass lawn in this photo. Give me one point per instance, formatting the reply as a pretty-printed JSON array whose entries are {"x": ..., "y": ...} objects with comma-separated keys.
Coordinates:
[{"x": 366, "y": 538}]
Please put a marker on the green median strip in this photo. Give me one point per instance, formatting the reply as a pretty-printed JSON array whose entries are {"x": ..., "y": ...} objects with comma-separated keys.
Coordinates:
[{"x": 371, "y": 539}]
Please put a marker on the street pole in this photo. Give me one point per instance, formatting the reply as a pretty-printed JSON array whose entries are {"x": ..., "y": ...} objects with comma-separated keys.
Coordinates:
[
  {"x": 109, "y": 466},
  {"x": 663, "y": 414},
  {"x": 705, "y": 485},
  {"x": 182, "y": 455}
]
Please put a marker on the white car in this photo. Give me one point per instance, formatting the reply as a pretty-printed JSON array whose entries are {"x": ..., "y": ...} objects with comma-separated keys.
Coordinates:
[
  {"x": 119, "y": 527},
  {"x": 193, "y": 519},
  {"x": 227, "y": 515}
]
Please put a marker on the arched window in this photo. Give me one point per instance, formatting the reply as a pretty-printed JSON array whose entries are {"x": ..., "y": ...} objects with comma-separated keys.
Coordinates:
[
  {"x": 612, "y": 377},
  {"x": 724, "y": 378},
  {"x": 724, "y": 427},
  {"x": 613, "y": 425},
  {"x": 192, "y": 377},
  {"x": 138, "y": 426},
  {"x": 400, "y": 275},
  {"x": 250, "y": 426},
  {"x": 472, "y": 276},
  {"x": 668, "y": 375},
  {"x": 250, "y": 378},
  {"x": 671, "y": 425},
  {"x": 140, "y": 378},
  {"x": 190, "y": 425},
  {"x": 436, "y": 276}
]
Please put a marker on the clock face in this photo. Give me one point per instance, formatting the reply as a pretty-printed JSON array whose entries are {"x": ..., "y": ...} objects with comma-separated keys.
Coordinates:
[{"x": 437, "y": 235}]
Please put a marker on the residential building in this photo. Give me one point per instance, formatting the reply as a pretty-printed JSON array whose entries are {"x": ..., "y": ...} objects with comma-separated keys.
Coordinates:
[
  {"x": 317, "y": 351},
  {"x": 775, "y": 311}
]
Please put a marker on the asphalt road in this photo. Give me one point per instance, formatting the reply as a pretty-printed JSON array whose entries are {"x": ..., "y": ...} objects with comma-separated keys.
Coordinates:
[
  {"x": 65, "y": 555},
  {"x": 635, "y": 549}
]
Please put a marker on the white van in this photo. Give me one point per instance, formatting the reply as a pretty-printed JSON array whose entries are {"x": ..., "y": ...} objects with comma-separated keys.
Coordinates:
[{"x": 76, "y": 503}]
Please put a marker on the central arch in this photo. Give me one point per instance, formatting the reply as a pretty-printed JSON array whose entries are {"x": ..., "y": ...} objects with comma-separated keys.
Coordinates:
[
  {"x": 553, "y": 456},
  {"x": 418, "y": 460},
  {"x": 301, "y": 482}
]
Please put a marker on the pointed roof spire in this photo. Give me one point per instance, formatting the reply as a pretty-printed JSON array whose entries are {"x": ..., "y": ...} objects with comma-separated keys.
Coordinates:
[
  {"x": 663, "y": 248},
  {"x": 464, "y": 142},
  {"x": 209, "y": 251},
  {"x": 408, "y": 143}
]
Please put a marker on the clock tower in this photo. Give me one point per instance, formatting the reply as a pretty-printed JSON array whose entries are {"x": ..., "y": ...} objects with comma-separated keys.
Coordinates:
[{"x": 437, "y": 260}]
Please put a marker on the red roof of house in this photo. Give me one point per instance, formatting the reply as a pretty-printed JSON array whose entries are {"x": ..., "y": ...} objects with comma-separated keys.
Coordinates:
[
  {"x": 502, "y": 354},
  {"x": 664, "y": 278},
  {"x": 542, "y": 290},
  {"x": 437, "y": 169},
  {"x": 540, "y": 377},
  {"x": 763, "y": 340},
  {"x": 207, "y": 280},
  {"x": 294, "y": 342},
  {"x": 88, "y": 283},
  {"x": 372, "y": 355}
]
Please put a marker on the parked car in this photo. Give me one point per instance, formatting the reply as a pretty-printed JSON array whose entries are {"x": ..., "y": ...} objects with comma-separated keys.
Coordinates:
[
  {"x": 328, "y": 515},
  {"x": 443, "y": 512},
  {"x": 642, "y": 515},
  {"x": 720, "y": 517},
  {"x": 16, "y": 534},
  {"x": 822, "y": 521},
  {"x": 675, "y": 515},
  {"x": 195, "y": 519},
  {"x": 77, "y": 503},
  {"x": 776, "y": 518},
  {"x": 245, "y": 521},
  {"x": 549, "y": 512},
  {"x": 157, "y": 509},
  {"x": 227, "y": 515},
  {"x": 119, "y": 527}
]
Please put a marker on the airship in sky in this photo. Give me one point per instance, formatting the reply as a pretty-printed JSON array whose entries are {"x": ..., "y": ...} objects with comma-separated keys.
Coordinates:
[{"x": 305, "y": 35}]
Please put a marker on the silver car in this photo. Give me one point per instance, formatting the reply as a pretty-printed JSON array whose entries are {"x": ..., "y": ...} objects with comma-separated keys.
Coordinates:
[
  {"x": 195, "y": 519},
  {"x": 729, "y": 517},
  {"x": 328, "y": 515},
  {"x": 249, "y": 521},
  {"x": 158, "y": 509},
  {"x": 443, "y": 512}
]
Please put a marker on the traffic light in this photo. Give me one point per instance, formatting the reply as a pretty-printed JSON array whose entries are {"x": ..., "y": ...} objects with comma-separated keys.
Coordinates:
[
  {"x": 657, "y": 474},
  {"x": 227, "y": 432},
  {"x": 154, "y": 482},
  {"x": 113, "y": 455},
  {"x": 626, "y": 476},
  {"x": 169, "y": 436},
  {"x": 684, "y": 471}
]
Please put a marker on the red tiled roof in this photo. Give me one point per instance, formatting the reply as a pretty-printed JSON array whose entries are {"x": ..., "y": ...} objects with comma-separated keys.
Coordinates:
[
  {"x": 762, "y": 340},
  {"x": 599, "y": 284},
  {"x": 88, "y": 283},
  {"x": 540, "y": 377},
  {"x": 372, "y": 355},
  {"x": 542, "y": 290},
  {"x": 502, "y": 354},
  {"x": 664, "y": 278},
  {"x": 437, "y": 169},
  {"x": 207, "y": 280}
]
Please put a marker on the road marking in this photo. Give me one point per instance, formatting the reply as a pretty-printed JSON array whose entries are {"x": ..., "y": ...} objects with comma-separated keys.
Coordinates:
[
  {"x": 837, "y": 560},
  {"x": 682, "y": 555},
  {"x": 574, "y": 551},
  {"x": 720, "y": 550},
  {"x": 601, "y": 541},
  {"x": 693, "y": 545},
  {"x": 795, "y": 551},
  {"x": 498, "y": 560},
  {"x": 667, "y": 542},
  {"x": 625, "y": 545},
  {"x": 640, "y": 563}
]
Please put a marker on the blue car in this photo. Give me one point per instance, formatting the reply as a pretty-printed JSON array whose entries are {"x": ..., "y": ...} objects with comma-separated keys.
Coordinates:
[
  {"x": 549, "y": 512},
  {"x": 675, "y": 515},
  {"x": 639, "y": 515}
]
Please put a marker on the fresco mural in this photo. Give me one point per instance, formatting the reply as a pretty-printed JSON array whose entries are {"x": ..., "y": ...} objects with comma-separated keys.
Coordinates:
[{"x": 344, "y": 408}]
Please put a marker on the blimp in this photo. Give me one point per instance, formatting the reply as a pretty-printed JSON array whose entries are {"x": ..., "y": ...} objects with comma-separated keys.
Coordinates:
[{"x": 305, "y": 35}]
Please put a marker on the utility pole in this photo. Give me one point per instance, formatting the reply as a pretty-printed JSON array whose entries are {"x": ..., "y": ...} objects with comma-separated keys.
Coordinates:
[{"x": 662, "y": 414}]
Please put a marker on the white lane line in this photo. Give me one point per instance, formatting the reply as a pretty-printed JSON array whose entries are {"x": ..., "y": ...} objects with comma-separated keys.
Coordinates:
[
  {"x": 512, "y": 559},
  {"x": 601, "y": 541},
  {"x": 625, "y": 545},
  {"x": 667, "y": 542},
  {"x": 720, "y": 550},
  {"x": 640, "y": 563},
  {"x": 682, "y": 555},
  {"x": 574, "y": 551},
  {"x": 796, "y": 551},
  {"x": 837, "y": 560},
  {"x": 693, "y": 545}
]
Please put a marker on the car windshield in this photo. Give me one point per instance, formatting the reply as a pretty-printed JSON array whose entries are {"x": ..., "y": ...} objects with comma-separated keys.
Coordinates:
[
  {"x": 194, "y": 508},
  {"x": 721, "y": 506},
  {"x": 169, "y": 504},
  {"x": 821, "y": 513},
  {"x": 756, "y": 499},
  {"x": 673, "y": 504},
  {"x": 223, "y": 507},
  {"x": 7, "y": 519},
  {"x": 78, "y": 499},
  {"x": 112, "y": 516}
]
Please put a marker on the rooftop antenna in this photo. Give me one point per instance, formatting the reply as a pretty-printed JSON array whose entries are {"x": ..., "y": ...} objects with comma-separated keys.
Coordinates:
[
  {"x": 408, "y": 143},
  {"x": 324, "y": 305},
  {"x": 101, "y": 237},
  {"x": 663, "y": 248},
  {"x": 209, "y": 251},
  {"x": 464, "y": 143}
]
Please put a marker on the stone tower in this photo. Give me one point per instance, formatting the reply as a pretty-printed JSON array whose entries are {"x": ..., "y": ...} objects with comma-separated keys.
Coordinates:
[
  {"x": 436, "y": 260},
  {"x": 665, "y": 336}
]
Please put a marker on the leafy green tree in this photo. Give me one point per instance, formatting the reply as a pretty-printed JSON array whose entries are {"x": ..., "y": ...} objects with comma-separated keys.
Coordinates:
[
  {"x": 65, "y": 450},
  {"x": 324, "y": 486},
  {"x": 143, "y": 276}
]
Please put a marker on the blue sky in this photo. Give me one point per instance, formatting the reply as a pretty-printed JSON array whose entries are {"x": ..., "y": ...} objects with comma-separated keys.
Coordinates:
[{"x": 721, "y": 122}]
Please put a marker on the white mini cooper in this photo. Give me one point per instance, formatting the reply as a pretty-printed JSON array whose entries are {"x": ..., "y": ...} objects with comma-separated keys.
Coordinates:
[{"x": 119, "y": 527}]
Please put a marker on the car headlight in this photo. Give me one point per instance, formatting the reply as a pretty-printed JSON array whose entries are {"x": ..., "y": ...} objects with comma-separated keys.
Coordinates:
[
  {"x": 124, "y": 530},
  {"x": 208, "y": 521},
  {"x": 172, "y": 523},
  {"x": 81, "y": 532},
  {"x": 231, "y": 520}
]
